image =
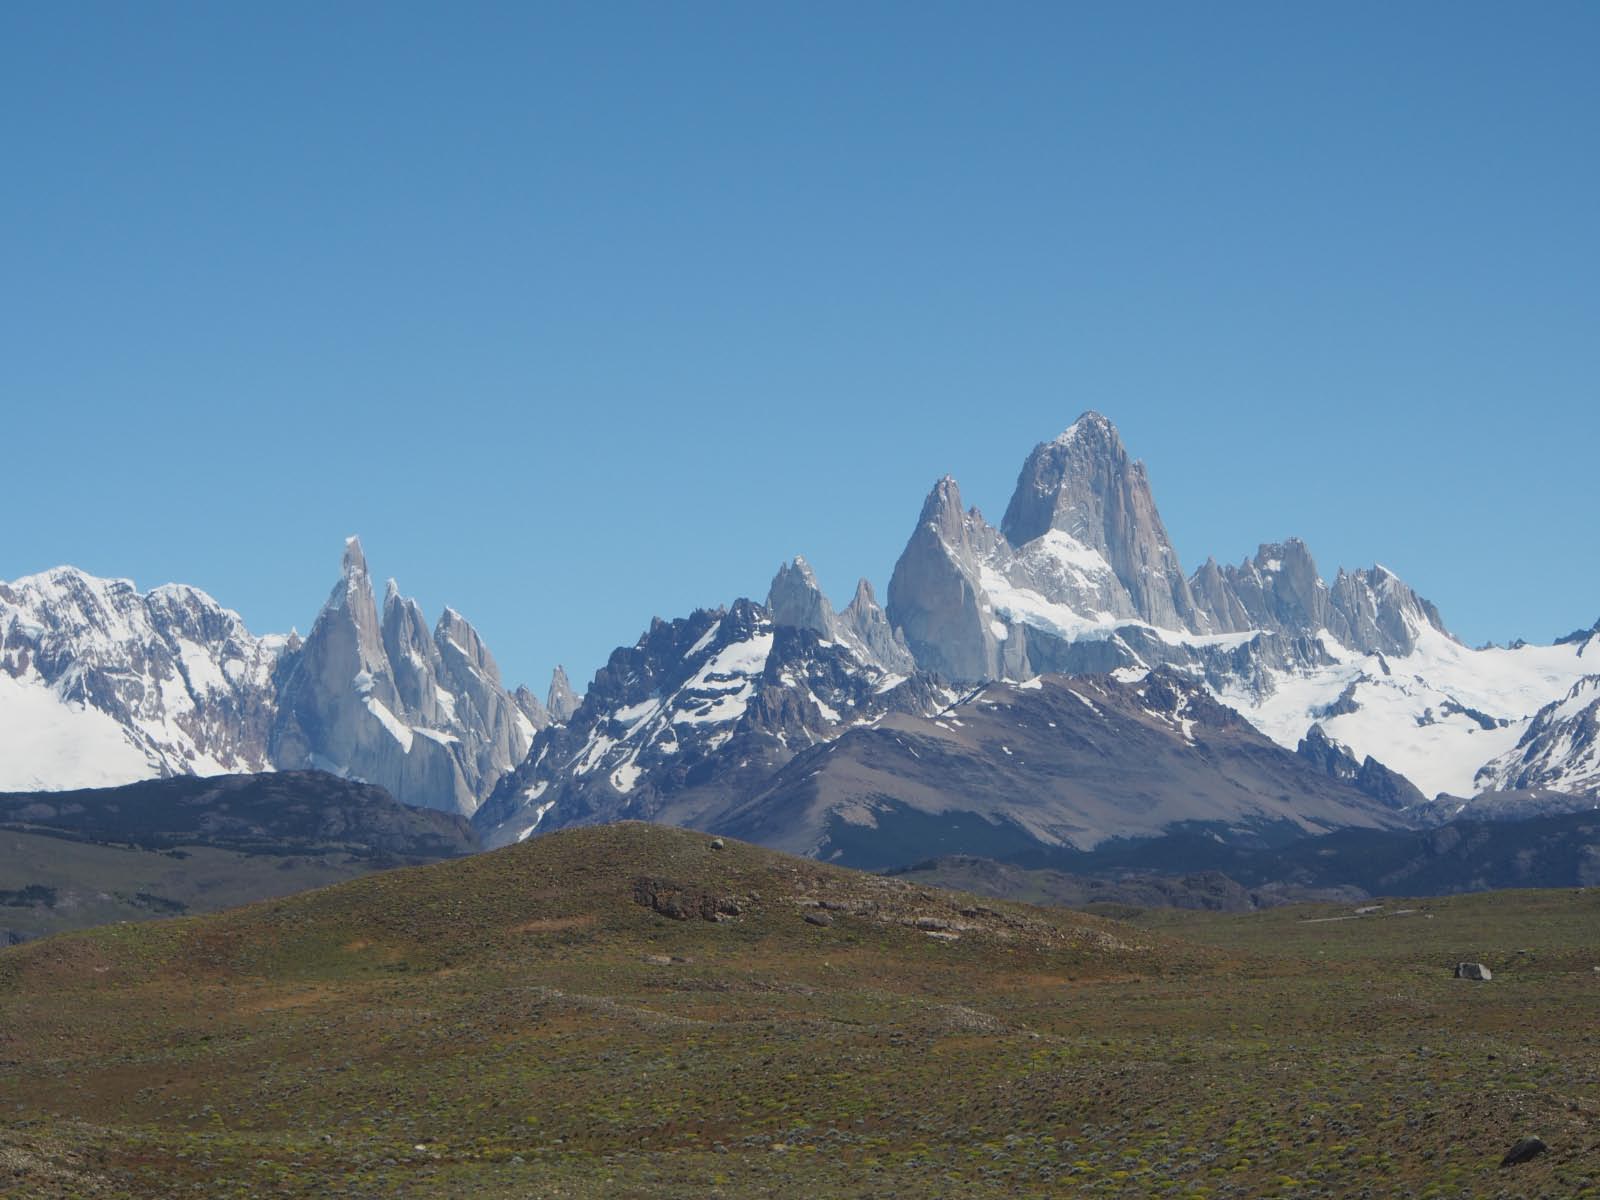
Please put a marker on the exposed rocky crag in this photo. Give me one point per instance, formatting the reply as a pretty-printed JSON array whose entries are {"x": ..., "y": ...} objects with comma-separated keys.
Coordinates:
[
  {"x": 701, "y": 711},
  {"x": 423, "y": 715},
  {"x": 1369, "y": 776},
  {"x": 1560, "y": 750}
]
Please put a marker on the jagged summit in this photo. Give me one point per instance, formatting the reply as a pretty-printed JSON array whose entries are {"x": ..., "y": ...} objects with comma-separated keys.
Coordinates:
[
  {"x": 561, "y": 701},
  {"x": 354, "y": 563},
  {"x": 383, "y": 699},
  {"x": 795, "y": 599},
  {"x": 1090, "y": 423},
  {"x": 1084, "y": 485}
]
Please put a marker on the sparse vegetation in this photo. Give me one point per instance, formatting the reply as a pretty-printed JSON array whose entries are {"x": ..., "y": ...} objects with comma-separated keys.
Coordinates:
[{"x": 523, "y": 1024}]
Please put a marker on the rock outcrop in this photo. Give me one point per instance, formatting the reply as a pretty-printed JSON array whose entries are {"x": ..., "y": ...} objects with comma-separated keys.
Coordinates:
[
  {"x": 561, "y": 701},
  {"x": 422, "y": 715}
]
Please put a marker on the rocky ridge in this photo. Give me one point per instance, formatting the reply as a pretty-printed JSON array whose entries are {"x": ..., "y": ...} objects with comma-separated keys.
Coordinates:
[
  {"x": 702, "y": 710},
  {"x": 101, "y": 685}
]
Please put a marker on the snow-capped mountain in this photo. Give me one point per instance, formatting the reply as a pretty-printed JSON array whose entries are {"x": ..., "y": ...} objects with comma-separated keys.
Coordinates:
[
  {"x": 101, "y": 684},
  {"x": 703, "y": 710},
  {"x": 1082, "y": 578},
  {"x": 381, "y": 699},
  {"x": 709, "y": 714},
  {"x": 1559, "y": 750}
]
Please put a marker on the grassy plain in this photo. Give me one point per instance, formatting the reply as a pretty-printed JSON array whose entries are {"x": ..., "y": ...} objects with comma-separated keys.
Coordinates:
[{"x": 520, "y": 1024}]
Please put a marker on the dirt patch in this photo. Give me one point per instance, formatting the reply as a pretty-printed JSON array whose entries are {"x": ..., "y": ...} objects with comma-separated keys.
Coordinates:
[
  {"x": 555, "y": 924},
  {"x": 284, "y": 1000}
]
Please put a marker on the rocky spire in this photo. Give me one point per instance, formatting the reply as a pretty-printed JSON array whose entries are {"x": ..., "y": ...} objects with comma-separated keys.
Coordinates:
[
  {"x": 936, "y": 598},
  {"x": 1084, "y": 484},
  {"x": 532, "y": 708},
  {"x": 421, "y": 715},
  {"x": 866, "y": 623},
  {"x": 562, "y": 701},
  {"x": 796, "y": 600}
]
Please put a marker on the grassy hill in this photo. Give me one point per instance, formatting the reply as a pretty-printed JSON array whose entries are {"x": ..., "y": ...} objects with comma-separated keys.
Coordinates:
[{"x": 569, "y": 1017}]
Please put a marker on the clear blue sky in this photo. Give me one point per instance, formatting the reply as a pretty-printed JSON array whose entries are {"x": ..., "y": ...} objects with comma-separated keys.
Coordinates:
[{"x": 584, "y": 313}]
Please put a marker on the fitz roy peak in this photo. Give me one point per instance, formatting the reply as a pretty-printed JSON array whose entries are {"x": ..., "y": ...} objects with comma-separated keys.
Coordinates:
[
  {"x": 1084, "y": 496},
  {"x": 1082, "y": 578}
]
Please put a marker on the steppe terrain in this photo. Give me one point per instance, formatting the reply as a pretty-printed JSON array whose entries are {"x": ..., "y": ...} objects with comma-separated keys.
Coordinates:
[{"x": 631, "y": 1011}]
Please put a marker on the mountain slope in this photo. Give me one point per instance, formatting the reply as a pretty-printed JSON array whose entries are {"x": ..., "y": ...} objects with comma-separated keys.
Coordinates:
[
  {"x": 1050, "y": 762},
  {"x": 701, "y": 712},
  {"x": 101, "y": 684},
  {"x": 1560, "y": 748},
  {"x": 422, "y": 715}
]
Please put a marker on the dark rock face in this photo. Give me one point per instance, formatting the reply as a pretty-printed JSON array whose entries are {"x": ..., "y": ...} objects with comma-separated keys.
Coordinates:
[
  {"x": 696, "y": 715},
  {"x": 1370, "y": 777},
  {"x": 683, "y": 902},
  {"x": 423, "y": 715}
]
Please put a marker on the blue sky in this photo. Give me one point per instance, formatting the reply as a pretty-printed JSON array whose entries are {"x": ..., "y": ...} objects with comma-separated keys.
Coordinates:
[{"x": 580, "y": 314}]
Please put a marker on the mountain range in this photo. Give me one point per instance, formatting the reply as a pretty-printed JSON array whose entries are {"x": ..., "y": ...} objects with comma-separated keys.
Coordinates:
[{"x": 1056, "y": 681}]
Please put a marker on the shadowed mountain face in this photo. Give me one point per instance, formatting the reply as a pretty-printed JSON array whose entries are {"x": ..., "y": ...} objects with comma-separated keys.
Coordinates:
[
  {"x": 1052, "y": 762},
  {"x": 701, "y": 712}
]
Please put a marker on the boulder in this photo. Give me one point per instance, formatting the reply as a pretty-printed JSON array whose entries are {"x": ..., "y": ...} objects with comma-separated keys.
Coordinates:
[
  {"x": 1526, "y": 1149},
  {"x": 1473, "y": 970}
]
